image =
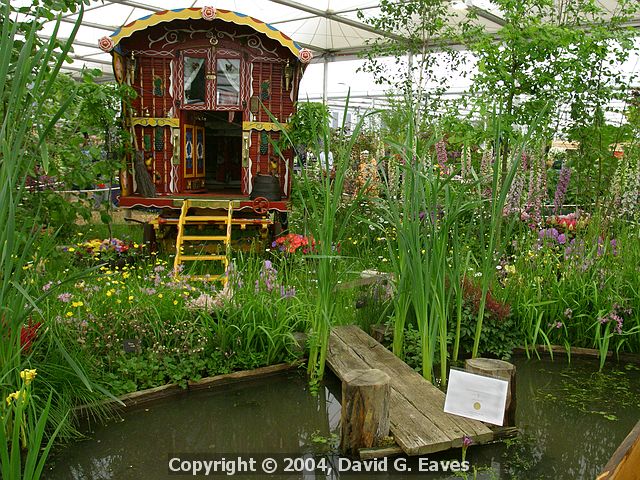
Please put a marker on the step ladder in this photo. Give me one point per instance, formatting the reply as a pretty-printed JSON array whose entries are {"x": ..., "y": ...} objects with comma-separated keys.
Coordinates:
[{"x": 194, "y": 219}]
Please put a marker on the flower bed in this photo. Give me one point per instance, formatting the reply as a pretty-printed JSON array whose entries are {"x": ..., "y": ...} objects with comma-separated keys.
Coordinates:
[{"x": 113, "y": 251}]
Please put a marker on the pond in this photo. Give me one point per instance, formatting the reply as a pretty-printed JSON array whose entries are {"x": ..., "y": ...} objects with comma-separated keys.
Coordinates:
[{"x": 571, "y": 417}]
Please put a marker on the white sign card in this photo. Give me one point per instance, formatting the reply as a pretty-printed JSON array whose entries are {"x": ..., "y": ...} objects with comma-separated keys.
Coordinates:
[{"x": 476, "y": 396}]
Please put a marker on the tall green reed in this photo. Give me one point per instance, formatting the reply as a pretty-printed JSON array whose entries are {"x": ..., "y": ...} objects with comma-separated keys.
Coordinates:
[
  {"x": 327, "y": 217},
  {"x": 494, "y": 226},
  {"x": 28, "y": 70},
  {"x": 22, "y": 427},
  {"x": 426, "y": 211}
]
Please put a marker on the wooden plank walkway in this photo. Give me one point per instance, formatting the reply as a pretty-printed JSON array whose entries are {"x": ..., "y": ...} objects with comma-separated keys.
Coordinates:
[{"x": 418, "y": 422}]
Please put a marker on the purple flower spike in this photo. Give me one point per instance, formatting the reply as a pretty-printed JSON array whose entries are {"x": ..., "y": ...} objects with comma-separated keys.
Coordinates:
[
  {"x": 466, "y": 441},
  {"x": 562, "y": 239},
  {"x": 561, "y": 188}
]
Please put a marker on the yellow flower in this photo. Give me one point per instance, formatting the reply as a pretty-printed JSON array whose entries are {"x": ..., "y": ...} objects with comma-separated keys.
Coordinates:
[
  {"x": 71, "y": 249},
  {"x": 16, "y": 396},
  {"x": 28, "y": 375},
  {"x": 109, "y": 293},
  {"x": 160, "y": 295},
  {"x": 175, "y": 302},
  {"x": 118, "y": 301},
  {"x": 130, "y": 297},
  {"x": 69, "y": 314},
  {"x": 77, "y": 304},
  {"x": 510, "y": 268}
]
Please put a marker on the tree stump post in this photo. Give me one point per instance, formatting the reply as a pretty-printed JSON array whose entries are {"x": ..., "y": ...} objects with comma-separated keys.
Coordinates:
[
  {"x": 365, "y": 410},
  {"x": 498, "y": 369}
]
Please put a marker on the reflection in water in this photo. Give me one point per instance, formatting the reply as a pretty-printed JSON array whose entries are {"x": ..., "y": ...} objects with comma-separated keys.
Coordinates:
[{"x": 279, "y": 414}]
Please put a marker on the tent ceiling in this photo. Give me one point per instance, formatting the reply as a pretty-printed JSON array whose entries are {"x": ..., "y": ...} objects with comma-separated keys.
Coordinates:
[{"x": 330, "y": 28}]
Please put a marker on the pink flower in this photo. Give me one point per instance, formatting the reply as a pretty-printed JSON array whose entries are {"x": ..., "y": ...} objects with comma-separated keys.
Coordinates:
[{"x": 65, "y": 297}]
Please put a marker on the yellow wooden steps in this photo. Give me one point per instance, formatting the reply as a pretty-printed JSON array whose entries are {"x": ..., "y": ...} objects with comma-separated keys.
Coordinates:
[
  {"x": 203, "y": 257},
  {"x": 204, "y": 218},
  {"x": 193, "y": 238},
  {"x": 187, "y": 218}
]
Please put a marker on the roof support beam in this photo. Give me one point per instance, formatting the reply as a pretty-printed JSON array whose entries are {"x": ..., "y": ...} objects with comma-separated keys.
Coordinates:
[
  {"x": 75, "y": 42},
  {"x": 142, "y": 6},
  {"x": 309, "y": 17},
  {"x": 90, "y": 60},
  {"x": 337, "y": 18},
  {"x": 108, "y": 28},
  {"x": 481, "y": 12}
]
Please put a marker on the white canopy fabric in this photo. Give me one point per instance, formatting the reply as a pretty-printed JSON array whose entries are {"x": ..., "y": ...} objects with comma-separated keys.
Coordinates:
[{"x": 331, "y": 29}]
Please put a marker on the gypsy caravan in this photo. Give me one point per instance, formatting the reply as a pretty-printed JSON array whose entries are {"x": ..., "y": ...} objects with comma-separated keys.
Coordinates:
[{"x": 208, "y": 83}]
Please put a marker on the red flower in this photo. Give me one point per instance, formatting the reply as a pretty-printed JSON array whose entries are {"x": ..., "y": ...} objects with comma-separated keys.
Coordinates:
[
  {"x": 473, "y": 293},
  {"x": 28, "y": 334}
]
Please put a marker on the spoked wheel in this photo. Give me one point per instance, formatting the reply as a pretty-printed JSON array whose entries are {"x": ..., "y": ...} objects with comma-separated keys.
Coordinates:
[{"x": 260, "y": 205}]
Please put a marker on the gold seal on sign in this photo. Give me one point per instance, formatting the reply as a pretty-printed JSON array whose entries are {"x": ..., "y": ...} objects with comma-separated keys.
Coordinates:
[{"x": 476, "y": 406}]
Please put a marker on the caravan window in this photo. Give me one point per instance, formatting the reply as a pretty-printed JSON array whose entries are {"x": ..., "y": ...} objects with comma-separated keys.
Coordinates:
[
  {"x": 227, "y": 81},
  {"x": 194, "y": 80}
]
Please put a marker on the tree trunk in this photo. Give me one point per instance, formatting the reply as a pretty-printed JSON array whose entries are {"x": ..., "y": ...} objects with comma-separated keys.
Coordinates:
[
  {"x": 504, "y": 371},
  {"x": 365, "y": 410}
]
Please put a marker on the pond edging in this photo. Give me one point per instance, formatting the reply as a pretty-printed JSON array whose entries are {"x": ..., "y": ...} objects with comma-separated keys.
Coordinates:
[
  {"x": 141, "y": 397},
  {"x": 579, "y": 352}
]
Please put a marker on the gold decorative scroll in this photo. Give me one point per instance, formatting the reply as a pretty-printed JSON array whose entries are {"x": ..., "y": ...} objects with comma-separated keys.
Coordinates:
[
  {"x": 155, "y": 121},
  {"x": 262, "y": 126}
]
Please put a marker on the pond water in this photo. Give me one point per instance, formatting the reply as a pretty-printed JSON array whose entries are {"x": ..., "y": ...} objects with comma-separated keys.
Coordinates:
[{"x": 571, "y": 417}]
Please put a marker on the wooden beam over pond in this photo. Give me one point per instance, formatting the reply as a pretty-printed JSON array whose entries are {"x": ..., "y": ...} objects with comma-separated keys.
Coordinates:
[
  {"x": 418, "y": 422},
  {"x": 625, "y": 462}
]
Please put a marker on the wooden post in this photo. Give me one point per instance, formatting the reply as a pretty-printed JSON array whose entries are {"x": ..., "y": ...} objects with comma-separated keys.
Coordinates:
[
  {"x": 502, "y": 370},
  {"x": 365, "y": 410}
]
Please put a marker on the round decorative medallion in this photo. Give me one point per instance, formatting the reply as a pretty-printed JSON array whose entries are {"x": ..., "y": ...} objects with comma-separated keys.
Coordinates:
[
  {"x": 305, "y": 55},
  {"x": 208, "y": 13},
  {"x": 119, "y": 68},
  {"x": 106, "y": 44}
]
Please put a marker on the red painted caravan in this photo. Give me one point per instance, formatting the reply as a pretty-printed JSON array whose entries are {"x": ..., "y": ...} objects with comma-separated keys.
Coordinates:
[{"x": 206, "y": 79}]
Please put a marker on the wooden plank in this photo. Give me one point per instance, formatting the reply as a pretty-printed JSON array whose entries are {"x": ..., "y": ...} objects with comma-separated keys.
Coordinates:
[
  {"x": 149, "y": 395},
  {"x": 579, "y": 352},
  {"x": 244, "y": 375},
  {"x": 370, "y": 453},
  {"x": 416, "y": 433},
  {"x": 412, "y": 430},
  {"x": 625, "y": 462},
  {"x": 413, "y": 386},
  {"x": 341, "y": 358},
  {"x": 418, "y": 422}
]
